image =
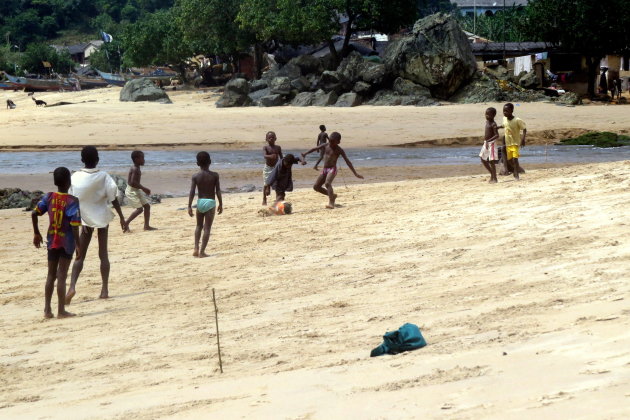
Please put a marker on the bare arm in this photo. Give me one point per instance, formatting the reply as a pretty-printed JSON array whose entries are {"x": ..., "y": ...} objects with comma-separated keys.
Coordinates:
[
  {"x": 37, "y": 237},
  {"x": 191, "y": 195},
  {"x": 134, "y": 180},
  {"x": 116, "y": 205},
  {"x": 313, "y": 150},
  {"x": 343, "y": 154},
  {"x": 524, "y": 136},
  {"x": 280, "y": 152},
  {"x": 77, "y": 241},
  {"x": 495, "y": 134},
  {"x": 217, "y": 187}
]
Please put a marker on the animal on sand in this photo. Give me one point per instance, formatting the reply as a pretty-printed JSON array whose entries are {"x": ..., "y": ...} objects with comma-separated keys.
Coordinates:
[
  {"x": 10, "y": 104},
  {"x": 38, "y": 102}
]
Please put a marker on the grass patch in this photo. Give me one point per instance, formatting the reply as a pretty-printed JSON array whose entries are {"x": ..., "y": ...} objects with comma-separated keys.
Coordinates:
[{"x": 598, "y": 139}]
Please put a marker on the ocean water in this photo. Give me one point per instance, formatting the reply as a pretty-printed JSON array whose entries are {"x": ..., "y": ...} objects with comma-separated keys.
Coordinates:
[{"x": 119, "y": 161}]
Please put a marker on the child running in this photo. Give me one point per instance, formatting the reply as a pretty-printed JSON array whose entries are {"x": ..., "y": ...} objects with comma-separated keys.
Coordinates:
[
  {"x": 272, "y": 153},
  {"x": 136, "y": 193},
  {"x": 322, "y": 138},
  {"x": 489, "y": 152},
  {"x": 513, "y": 141},
  {"x": 332, "y": 151},
  {"x": 207, "y": 185},
  {"x": 62, "y": 238}
]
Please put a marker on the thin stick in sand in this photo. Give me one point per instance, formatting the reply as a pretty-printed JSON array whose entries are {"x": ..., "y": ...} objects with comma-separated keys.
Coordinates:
[{"x": 216, "y": 320}]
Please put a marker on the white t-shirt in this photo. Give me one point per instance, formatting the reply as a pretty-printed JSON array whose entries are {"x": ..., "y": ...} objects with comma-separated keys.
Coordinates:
[{"x": 95, "y": 190}]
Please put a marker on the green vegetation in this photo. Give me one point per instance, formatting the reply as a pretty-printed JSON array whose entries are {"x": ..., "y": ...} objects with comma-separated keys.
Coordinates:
[
  {"x": 598, "y": 139},
  {"x": 509, "y": 25}
]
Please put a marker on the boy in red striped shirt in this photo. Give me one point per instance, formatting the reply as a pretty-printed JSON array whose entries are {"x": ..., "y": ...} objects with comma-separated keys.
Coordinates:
[{"x": 62, "y": 238}]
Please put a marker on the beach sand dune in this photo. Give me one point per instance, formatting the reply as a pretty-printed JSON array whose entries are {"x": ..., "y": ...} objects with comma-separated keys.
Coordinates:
[{"x": 521, "y": 290}]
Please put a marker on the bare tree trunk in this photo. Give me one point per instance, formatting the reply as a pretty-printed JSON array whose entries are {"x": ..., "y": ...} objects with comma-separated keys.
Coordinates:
[
  {"x": 258, "y": 57},
  {"x": 346, "y": 40},
  {"x": 333, "y": 52}
]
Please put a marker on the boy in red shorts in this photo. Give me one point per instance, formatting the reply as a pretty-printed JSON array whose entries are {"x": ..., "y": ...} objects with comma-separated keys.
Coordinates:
[{"x": 62, "y": 238}]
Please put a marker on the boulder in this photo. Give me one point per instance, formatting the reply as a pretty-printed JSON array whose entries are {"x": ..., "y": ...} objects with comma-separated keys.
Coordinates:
[
  {"x": 529, "y": 80},
  {"x": 373, "y": 73},
  {"x": 407, "y": 87},
  {"x": 303, "y": 99},
  {"x": 348, "y": 100},
  {"x": 301, "y": 84},
  {"x": 330, "y": 81},
  {"x": 322, "y": 98},
  {"x": 280, "y": 85},
  {"x": 255, "y": 96},
  {"x": 437, "y": 55},
  {"x": 290, "y": 70},
  {"x": 236, "y": 93},
  {"x": 385, "y": 97},
  {"x": 272, "y": 100},
  {"x": 499, "y": 73},
  {"x": 350, "y": 68},
  {"x": 13, "y": 198},
  {"x": 362, "y": 88},
  {"x": 142, "y": 90},
  {"x": 572, "y": 98},
  {"x": 307, "y": 64},
  {"x": 258, "y": 85}
]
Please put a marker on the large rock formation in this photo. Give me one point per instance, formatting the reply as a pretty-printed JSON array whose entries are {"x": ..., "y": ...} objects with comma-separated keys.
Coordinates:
[
  {"x": 437, "y": 55},
  {"x": 236, "y": 94},
  {"x": 144, "y": 89}
]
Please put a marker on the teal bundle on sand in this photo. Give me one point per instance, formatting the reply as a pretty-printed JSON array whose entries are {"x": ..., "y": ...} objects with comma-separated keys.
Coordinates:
[{"x": 408, "y": 337}]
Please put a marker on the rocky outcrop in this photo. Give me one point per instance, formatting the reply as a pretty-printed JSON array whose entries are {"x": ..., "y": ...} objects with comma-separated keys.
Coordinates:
[
  {"x": 528, "y": 80},
  {"x": 280, "y": 85},
  {"x": 143, "y": 90},
  {"x": 13, "y": 198},
  {"x": 322, "y": 98},
  {"x": 437, "y": 56},
  {"x": 272, "y": 100},
  {"x": 303, "y": 99},
  {"x": 408, "y": 88},
  {"x": 236, "y": 93}
]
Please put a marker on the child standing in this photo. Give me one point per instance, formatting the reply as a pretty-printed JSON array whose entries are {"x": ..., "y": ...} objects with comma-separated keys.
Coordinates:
[
  {"x": 489, "y": 151},
  {"x": 513, "y": 141},
  {"x": 272, "y": 153},
  {"x": 332, "y": 151},
  {"x": 62, "y": 238},
  {"x": 322, "y": 138},
  {"x": 136, "y": 193},
  {"x": 206, "y": 183}
]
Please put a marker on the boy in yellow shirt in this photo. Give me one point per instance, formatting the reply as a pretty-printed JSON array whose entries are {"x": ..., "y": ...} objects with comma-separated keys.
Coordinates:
[{"x": 513, "y": 140}]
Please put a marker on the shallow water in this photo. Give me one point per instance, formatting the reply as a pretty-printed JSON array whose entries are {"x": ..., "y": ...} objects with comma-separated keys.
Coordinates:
[{"x": 119, "y": 161}]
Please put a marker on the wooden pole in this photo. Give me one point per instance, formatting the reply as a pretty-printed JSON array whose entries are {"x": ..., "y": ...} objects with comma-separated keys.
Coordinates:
[{"x": 216, "y": 320}]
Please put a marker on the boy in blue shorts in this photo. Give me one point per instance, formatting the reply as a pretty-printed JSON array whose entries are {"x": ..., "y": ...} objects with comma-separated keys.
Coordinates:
[{"x": 62, "y": 238}]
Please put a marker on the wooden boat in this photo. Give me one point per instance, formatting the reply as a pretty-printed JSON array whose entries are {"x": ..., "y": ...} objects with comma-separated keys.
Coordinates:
[
  {"x": 92, "y": 82},
  {"x": 39, "y": 85},
  {"x": 8, "y": 86},
  {"x": 113, "y": 79}
]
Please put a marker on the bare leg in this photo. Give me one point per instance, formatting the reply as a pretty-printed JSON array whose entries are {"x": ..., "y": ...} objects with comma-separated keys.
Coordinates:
[
  {"x": 207, "y": 225},
  {"x": 486, "y": 165},
  {"x": 516, "y": 169},
  {"x": 198, "y": 229},
  {"x": 266, "y": 192},
  {"x": 493, "y": 173},
  {"x": 50, "y": 286},
  {"x": 330, "y": 177},
  {"x": 62, "y": 274},
  {"x": 318, "y": 184},
  {"x": 147, "y": 217},
  {"x": 321, "y": 156},
  {"x": 132, "y": 216},
  {"x": 77, "y": 267},
  {"x": 104, "y": 257}
]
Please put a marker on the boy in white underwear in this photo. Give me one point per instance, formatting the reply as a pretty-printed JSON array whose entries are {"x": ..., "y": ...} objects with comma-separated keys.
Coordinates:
[
  {"x": 206, "y": 183},
  {"x": 136, "y": 193}
]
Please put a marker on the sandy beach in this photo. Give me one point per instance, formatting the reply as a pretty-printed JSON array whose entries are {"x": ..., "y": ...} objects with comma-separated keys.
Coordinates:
[{"x": 520, "y": 288}]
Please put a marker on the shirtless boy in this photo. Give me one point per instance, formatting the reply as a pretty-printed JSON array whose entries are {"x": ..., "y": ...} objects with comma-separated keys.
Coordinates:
[
  {"x": 322, "y": 138},
  {"x": 332, "y": 151},
  {"x": 136, "y": 193},
  {"x": 489, "y": 151},
  {"x": 207, "y": 185},
  {"x": 62, "y": 238},
  {"x": 272, "y": 153}
]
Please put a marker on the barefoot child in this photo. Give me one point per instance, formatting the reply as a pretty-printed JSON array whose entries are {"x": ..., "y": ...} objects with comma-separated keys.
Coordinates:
[
  {"x": 332, "y": 151},
  {"x": 136, "y": 193},
  {"x": 96, "y": 190},
  {"x": 207, "y": 185},
  {"x": 322, "y": 138},
  {"x": 62, "y": 238},
  {"x": 513, "y": 141},
  {"x": 281, "y": 178},
  {"x": 489, "y": 151},
  {"x": 272, "y": 153}
]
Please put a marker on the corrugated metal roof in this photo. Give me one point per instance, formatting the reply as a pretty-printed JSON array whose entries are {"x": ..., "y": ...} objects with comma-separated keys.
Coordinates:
[{"x": 490, "y": 3}]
